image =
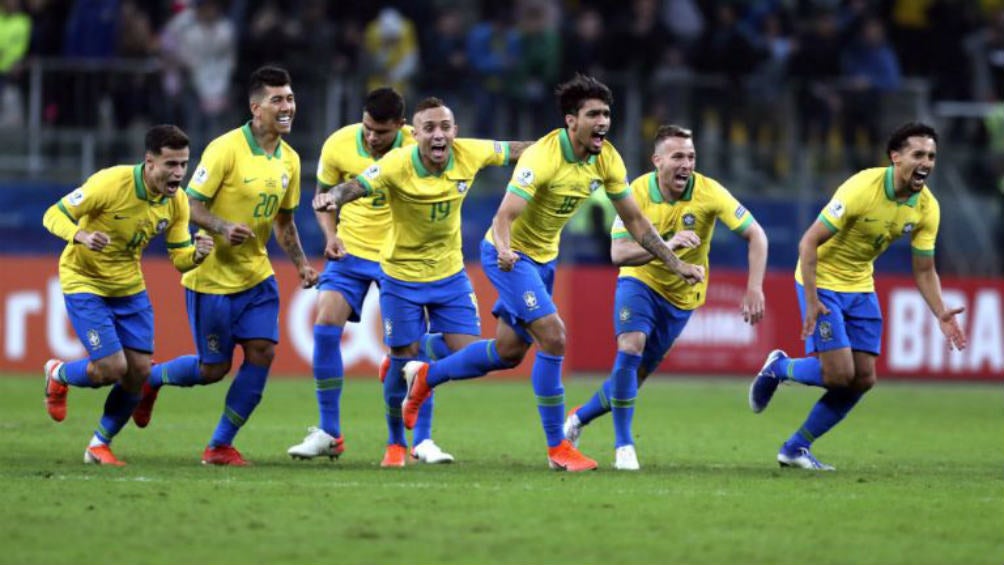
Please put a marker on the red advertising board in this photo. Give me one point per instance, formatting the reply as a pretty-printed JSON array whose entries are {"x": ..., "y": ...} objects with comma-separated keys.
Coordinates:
[{"x": 34, "y": 327}]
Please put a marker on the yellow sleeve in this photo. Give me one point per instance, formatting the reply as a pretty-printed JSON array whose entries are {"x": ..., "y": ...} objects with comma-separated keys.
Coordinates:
[
  {"x": 490, "y": 153},
  {"x": 62, "y": 218},
  {"x": 179, "y": 240},
  {"x": 734, "y": 215},
  {"x": 59, "y": 222},
  {"x": 291, "y": 200},
  {"x": 533, "y": 170},
  {"x": 380, "y": 175},
  {"x": 208, "y": 178},
  {"x": 328, "y": 173},
  {"x": 615, "y": 176},
  {"x": 841, "y": 208},
  {"x": 926, "y": 232},
  {"x": 638, "y": 187}
]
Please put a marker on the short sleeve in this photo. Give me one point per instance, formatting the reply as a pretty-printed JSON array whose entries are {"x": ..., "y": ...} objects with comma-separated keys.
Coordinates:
[
  {"x": 177, "y": 232},
  {"x": 87, "y": 200},
  {"x": 926, "y": 232},
  {"x": 209, "y": 175},
  {"x": 328, "y": 172},
  {"x": 734, "y": 215},
  {"x": 841, "y": 208},
  {"x": 615, "y": 175},
  {"x": 291, "y": 200},
  {"x": 533, "y": 170}
]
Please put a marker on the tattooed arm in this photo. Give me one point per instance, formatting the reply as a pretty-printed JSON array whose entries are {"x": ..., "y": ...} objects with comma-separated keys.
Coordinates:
[
  {"x": 333, "y": 199},
  {"x": 289, "y": 239},
  {"x": 642, "y": 230}
]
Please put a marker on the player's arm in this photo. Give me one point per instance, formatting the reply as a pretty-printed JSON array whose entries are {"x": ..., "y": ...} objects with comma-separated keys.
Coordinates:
[
  {"x": 642, "y": 230},
  {"x": 333, "y": 246},
  {"x": 929, "y": 285},
  {"x": 234, "y": 233},
  {"x": 185, "y": 253},
  {"x": 626, "y": 252},
  {"x": 333, "y": 199},
  {"x": 511, "y": 207},
  {"x": 808, "y": 255},
  {"x": 516, "y": 149},
  {"x": 753, "y": 302},
  {"x": 61, "y": 223},
  {"x": 289, "y": 239}
]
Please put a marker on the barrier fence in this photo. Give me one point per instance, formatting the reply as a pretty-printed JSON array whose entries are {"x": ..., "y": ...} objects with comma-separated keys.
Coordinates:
[{"x": 34, "y": 326}]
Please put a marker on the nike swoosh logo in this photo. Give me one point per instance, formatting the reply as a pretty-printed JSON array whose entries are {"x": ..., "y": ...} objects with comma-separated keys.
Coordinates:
[
  {"x": 120, "y": 217},
  {"x": 871, "y": 220},
  {"x": 252, "y": 179}
]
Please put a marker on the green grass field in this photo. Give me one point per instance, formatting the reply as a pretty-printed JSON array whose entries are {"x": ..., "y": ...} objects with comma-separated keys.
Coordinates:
[{"x": 919, "y": 480}]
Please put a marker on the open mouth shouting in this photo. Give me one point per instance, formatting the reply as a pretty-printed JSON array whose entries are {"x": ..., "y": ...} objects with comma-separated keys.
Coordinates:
[
  {"x": 918, "y": 178},
  {"x": 438, "y": 151},
  {"x": 596, "y": 141}
]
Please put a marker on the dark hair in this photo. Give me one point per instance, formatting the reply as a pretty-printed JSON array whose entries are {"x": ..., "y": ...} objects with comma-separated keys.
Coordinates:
[
  {"x": 671, "y": 130},
  {"x": 430, "y": 102},
  {"x": 267, "y": 76},
  {"x": 910, "y": 129},
  {"x": 165, "y": 135},
  {"x": 384, "y": 104},
  {"x": 574, "y": 93}
]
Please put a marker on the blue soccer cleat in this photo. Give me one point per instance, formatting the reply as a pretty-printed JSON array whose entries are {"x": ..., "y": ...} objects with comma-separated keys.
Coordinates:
[
  {"x": 765, "y": 384},
  {"x": 801, "y": 457}
]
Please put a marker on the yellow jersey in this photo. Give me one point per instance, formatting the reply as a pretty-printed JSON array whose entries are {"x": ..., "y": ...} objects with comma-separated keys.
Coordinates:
[
  {"x": 116, "y": 201},
  {"x": 554, "y": 183},
  {"x": 363, "y": 223},
  {"x": 424, "y": 242},
  {"x": 865, "y": 218},
  {"x": 240, "y": 183},
  {"x": 703, "y": 202}
]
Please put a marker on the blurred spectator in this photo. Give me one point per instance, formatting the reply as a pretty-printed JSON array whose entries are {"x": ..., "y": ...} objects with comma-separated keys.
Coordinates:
[
  {"x": 199, "y": 47},
  {"x": 444, "y": 57},
  {"x": 986, "y": 52},
  {"x": 583, "y": 46},
  {"x": 492, "y": 48},
  {"x": 912, "y": 32},
  {"x": 390, "y": 52},
  {"x": 684, "y": 20},
  {"x": 815, "y": 64},
  {"x": 91, "y": 33},
  {"x": 766, "y": 88},
  {"x": 537, "y": 66},
  {"x": 870, "y": 69},
  {"x": 15, "y": 36},
  {"x": 637, "y": 39},
  {"x": 133, "y": 93}
]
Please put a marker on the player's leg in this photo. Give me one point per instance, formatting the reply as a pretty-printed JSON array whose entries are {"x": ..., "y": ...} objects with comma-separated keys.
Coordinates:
[{"x": 254, "y": 324}]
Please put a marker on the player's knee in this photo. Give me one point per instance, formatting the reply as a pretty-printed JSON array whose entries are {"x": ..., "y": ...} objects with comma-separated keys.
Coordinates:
[
  {"x": 261, "y": 355},
  {"x": 552, "y": 338},
  {"x": 840, "y": 376},
  {"x": 863, "y": 382},
  {"x": 511, "y": 351},
  {"x": 135, "y": 377},
  {"x": 213, "y": 373},
  {"x": 110, "y": 370}
]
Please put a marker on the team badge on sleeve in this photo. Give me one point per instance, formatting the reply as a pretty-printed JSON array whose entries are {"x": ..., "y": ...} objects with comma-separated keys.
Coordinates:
[
  {"x": 835, "y": 208},
  {"x": 740, "y": 211},
  {"x": 524, "y": 176},
  {"x": 498, "y": 147},
  {"x": 75, "y": 197},
  {"x": 200, "y": 176},
  {"x": 285, "y": 181},
  {"x": 372, "y": 172}
]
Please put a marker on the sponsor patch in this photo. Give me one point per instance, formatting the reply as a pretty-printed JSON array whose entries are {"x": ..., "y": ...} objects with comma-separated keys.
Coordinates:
[
  {"x": 201, "y": 175},
  {"x": 524, "y": 177},
  {"x": 498, "y": 147},
  {"x": 75, "y": 197},
  {"x": 740, "y": 211},
  {"x": 372, "y": 172},
  {"x": 285, "y": 181},
  {"x": 835, "y": 208}
]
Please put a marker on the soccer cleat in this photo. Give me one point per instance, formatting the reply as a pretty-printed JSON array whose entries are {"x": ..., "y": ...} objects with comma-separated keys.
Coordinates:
[
  {"x": 55, "y": 391},
  {"x": 318, "y": 443},
  {"x": 415, "y": 374},
  {"x": 384, "y": 368},
  {"x": 223, "y": 455},
  {"x": 801, "y": 457},
  {"x": 565, "y": 457},
  {"x": 394, "y": 456},
  {"x": 428, "y": 452},
  {"x": 573, "y": 426},
  {"x": 625, "y": 459},
  {"x": 101, "y": 455},
  {"x": 765, "y": 384},
  {"x": 144, "y": 410}
]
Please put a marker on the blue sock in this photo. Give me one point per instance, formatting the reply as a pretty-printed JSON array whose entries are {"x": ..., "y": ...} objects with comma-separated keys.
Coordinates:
[
  {"x": 805, "y": 370},
  {"x": 625, "y": 388},
  {"x": 74, "y": 373},
  {"x": 475, "y": 360},
  {"x": 328, "y": 376},
  {"x": 119, "y": 406},
  {"x": 432, "y": 347},
  {"x": 181, "y": 371},
  {"x": 242, "y": 398},
  {"x": 546, "y": 379},
  {"x": 598, "y": 405},
  {"x": 423, "y": 426},
  {"x": 828, "y": 412},
  {"x": 394, "y": 389}
]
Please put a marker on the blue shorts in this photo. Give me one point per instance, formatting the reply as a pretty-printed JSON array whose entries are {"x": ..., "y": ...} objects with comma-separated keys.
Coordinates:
[
  {"x": 107, "y": 324},
  {"x": 855, "y": 321},
  {"x": 351, "y": 277},
  {"x": 450, "y": 304},
  {"x": 638, "y": 308},
  {"x": 524, "y": 292},
  {"x": 219, "y": 321}
]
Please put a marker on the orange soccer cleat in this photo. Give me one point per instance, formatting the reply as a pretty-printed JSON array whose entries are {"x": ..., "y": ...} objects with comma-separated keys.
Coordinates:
[
  {"x": 144, "y": 410},
  {"x": 384, "y": 368},
  {"x": 55, "y": 391},
  {"x": 395, "y": 456},
  {"x": 102, "y": 455},
  {"x": 415, "y": 374},
  {"x": 565, "y": 457},
  {"x": 223, "y": 455}
]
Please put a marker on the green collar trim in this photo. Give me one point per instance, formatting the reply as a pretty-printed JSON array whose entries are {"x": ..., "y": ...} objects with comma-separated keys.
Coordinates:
[
  {"x": 566, "y": 149},
  {"x": 140, "y": 186},
  {"x": 361, "y": 145},
  {"x": 416, "y": 160},
  {"x": 890, "y": 190},
  {"x": 253, "y": 143},
  {"x": 656, "y": 195}
]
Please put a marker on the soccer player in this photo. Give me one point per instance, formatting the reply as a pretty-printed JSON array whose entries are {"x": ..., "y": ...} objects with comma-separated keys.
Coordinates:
[
  {"x": 842, "y": 322},
  {"x": 353, "y": 252},
  {"x": 108, "y": 222},
  {"x": 247, "y": 183},
  {"x": 652, "y": 304},
  {"x": 424, "y": 285},
  {"x": 555, "y": 175}
]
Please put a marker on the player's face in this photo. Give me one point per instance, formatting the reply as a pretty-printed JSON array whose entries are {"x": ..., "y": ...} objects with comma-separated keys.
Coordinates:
[
  {"x": 914, "y": 162},
  {"x": 674, "y": 161},
  {"x": 165, "y": 172},
  {"x": 589, "y": 127},
  {"x": 379, "y": 136},
  {"x": 275, "y": 109},
  {"x": 435, "y": 131}
]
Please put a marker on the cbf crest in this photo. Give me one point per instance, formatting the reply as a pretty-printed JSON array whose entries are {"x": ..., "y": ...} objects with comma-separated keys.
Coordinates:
[
  {"x": 530, "y": 299},
  {"x": 213, "y": 343},
  {"x": 624, "y": 315},
  {"x": 908, "y": 228},
  {"x": 462, "y": 186},
  {"x": 93, "y": 338},
  {"x": 689, "y": 220},
  {"x": 161, "y": 225},
  {"x": 825, "y": 331},
  {"x": 594, "y": 185},
  {"x": 388, "y": 328}
]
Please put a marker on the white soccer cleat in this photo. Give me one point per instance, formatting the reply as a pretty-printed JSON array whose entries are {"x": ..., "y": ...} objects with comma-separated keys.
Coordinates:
[
  {"x": 801, "y": 457},
  {"x": 626, "y": 459},
  {"x": 428, "y": 452},
  {"x": 318, "y": 443},
  {"x": 573, "y": 428}
]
